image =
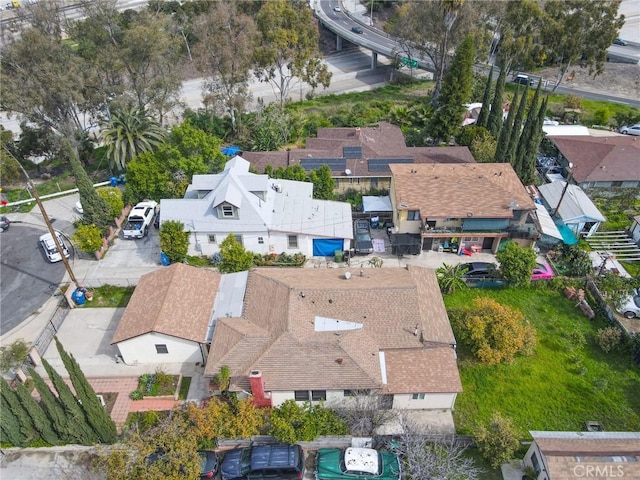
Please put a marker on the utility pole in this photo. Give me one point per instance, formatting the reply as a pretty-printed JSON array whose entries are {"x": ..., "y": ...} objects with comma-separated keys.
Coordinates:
[
  {"x": 32, "y": 190},
  {"x": 564, "y": 190}
]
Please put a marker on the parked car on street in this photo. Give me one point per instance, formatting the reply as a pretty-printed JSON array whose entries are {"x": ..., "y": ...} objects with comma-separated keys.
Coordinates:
[
  {"x": 631, "y": 307},
  {"x": 281, "y": 461},
  {"x": 49, "y": 247},
  {"x": 523, "y": 80},
  {"x": 362, "y": 237},
  {"x": 357, "y": 464},
  {"x": 336, "y": 9},
  {"x": 4, "y": 223},
  {"x": 631, "y": 130},
  {"x": 209, "y": 462},
  {"x": 78, "y": 207}
]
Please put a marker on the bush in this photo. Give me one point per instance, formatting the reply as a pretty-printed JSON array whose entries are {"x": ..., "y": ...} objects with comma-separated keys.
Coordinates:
[
  {"x": 497, "y": 441},
  {"x": 608, "y": 338},
  {"x": 113, "y": 197},
  {"x": 88, "y": 238},
  {"x": 174, "y": 241}
]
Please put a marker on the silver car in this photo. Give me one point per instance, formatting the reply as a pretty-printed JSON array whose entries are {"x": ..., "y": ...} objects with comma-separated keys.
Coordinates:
[
  {"x": 49, "y": 247},
  {"x": 631, "y": 130},
  {"x": 631, "y": 307}
]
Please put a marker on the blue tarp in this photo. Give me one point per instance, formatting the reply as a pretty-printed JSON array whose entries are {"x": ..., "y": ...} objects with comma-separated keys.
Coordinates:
[
  {"x": 326, "y": 247},
  {"x": 568, "y": 237},
  {"x": 231, "y": 150}
]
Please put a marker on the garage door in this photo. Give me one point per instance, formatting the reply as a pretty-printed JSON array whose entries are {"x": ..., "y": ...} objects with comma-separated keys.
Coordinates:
[{"x": 326, "y": 247}]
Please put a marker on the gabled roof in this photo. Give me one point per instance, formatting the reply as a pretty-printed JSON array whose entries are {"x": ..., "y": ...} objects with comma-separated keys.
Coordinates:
[
  {"x": 477, "y": 190},
  {"x": 601, "y": 159},
  {"x": 614, "y": 454},
  {"x": 385, "y": 310},
  {"x": 383, "y": 142},
  {"x": 576, "y": 206},
  {"x": 176, "y": 301},
  {"x": 264, "y": 205}
]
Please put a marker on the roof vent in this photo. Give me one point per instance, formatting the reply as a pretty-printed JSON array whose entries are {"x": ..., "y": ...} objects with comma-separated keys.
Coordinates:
[{"x": 347, "y": 172}]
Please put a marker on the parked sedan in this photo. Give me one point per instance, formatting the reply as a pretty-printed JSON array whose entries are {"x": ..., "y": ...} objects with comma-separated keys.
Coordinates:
[
  {"x": 49, "y": 247},
  {"x": 357, "y": 29},
  {"x": 357, "y": 464},
  {"x": 631, "y": 307},
  {"x": 362, "y": 233},
  {"x": 477, "y": 270},
  {"x": 619, "y": 41},
  {"x": 542, "y": 272},
  {"x": 631, "y": 130},
  {"x": 209, "y": 464}
]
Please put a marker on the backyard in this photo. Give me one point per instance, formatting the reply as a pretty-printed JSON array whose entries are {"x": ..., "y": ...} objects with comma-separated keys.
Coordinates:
[{"x": 568, "y": 380}]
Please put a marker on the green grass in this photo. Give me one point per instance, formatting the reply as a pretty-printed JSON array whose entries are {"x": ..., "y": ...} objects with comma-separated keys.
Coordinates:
[
  {"x": 184, "y": 388},
  {"x": 110, "y": 296},
  {"x": 560, "y": 386}
]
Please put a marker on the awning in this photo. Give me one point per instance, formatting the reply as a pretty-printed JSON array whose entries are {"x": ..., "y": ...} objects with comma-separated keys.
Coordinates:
[{"x": 546, "y": 223}]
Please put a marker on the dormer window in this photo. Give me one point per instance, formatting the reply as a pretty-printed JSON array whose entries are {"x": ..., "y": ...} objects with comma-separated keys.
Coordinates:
[{"x": 227, "y": 211}]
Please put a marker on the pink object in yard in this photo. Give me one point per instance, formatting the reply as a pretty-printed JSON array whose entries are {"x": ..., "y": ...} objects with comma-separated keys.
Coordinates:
[{"x": 542, "y": 272}]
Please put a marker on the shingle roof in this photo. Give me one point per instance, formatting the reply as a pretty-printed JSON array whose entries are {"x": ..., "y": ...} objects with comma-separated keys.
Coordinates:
[
  {"x": 283, "y": 305},
  {"x": 478, "y": 190},
  {"x": 431, "y": 370},
  {"x": 176, "y": 300},
  {"x": 614, "y": 454},
  {"x": 601, "y": 159}
]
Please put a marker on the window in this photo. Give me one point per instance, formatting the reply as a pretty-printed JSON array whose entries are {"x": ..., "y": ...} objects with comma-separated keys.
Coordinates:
[
  {"x": 318, "y": 395},
  {"x": 350, "y": 393},
  {"x": 161, "y": 348},
  {"x": 301, "y": 395},
  {"x": 413, "y": 215},
  {"x": 260, "y": 241},
  {"x": 227, "y": 211},
  {"x": 212, "y": 238},
  {"x": 293, "y": 241},
  {"x": 616, "y": 184},
  {"x": 239, "y": 239},
  {"x": 535, "y": 463},
  {"x": 417, "y": 396}
]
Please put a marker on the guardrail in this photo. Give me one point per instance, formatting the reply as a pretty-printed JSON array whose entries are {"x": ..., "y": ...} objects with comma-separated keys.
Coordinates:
[{"x": 53, "y": 195}]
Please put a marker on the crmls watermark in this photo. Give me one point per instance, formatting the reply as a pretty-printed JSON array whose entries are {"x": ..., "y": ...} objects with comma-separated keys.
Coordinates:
[{"x": 599, "y": 471}]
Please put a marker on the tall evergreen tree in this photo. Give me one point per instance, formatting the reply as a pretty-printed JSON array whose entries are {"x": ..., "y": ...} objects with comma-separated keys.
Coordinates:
[
  {"x": 82, "y": 430},
  {"x": 494, "y": 122},
  {"x": 483, "y": 116},
  {"x": 505, "y": 131},
  {"x": 323, "y": 183},
  {"x": 516, "y": 130},
  {"x": 95, "y": 209},
  {"x": 10, "y": 427},
  {"x": 40, "y": 421},
  {"x": 53, "y": 408},
  {"x": 532, "y": 115},
  {"x": 457, "y": 88},
  {"x": 95, "y": 413},
  {"x": 531, "y": 152},
  {"x": 15, "y": 408}
]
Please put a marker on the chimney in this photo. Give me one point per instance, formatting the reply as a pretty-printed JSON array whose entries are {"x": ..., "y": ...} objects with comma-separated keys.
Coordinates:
[
  {"x": 357, "y": 131},
  {"x": 257, "y": 389}
]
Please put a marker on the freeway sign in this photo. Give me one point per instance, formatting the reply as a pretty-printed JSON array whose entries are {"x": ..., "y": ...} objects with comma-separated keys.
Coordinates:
[{"x": 408, "y": 62}]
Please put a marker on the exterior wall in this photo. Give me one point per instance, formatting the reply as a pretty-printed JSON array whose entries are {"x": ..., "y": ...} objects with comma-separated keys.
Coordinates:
[
  {"x": 635, "y": 232},
  {"x": 542, "y": 467},
  {"x": 333, "y": 397},
  {"x": 142, "y": 350},
  {"x": 361, "y": 184},
  {"x": 274, "y": 242},
  {"x": 625, "y": 184},
  {"x": 431, "y": 401}
]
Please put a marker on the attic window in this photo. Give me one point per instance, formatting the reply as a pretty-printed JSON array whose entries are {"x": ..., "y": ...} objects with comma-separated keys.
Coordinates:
[{"x": 227, "y": 211}]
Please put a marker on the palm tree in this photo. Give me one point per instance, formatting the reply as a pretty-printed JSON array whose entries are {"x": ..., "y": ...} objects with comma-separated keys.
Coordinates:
[
  {"x": 128, "y": 133},
  {"x": 450, "y": 278}
]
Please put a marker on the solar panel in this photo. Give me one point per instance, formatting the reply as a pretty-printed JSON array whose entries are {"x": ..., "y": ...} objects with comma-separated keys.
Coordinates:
[
  {"x": 382, "y": 164},
  {"x": 352, "y": 152},
  {"x": 315, "y": 163}
]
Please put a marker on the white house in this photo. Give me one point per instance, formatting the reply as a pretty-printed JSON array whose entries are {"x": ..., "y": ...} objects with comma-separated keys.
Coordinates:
[
  {"x": 572, "y": 206},
  {"x": 266, "y": 215}
]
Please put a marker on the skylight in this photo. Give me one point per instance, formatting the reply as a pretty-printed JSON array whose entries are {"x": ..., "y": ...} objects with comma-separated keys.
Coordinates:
[{"x": 324, "y": 324}]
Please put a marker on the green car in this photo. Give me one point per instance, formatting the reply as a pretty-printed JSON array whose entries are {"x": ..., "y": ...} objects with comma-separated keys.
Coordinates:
[{"x": 357, "y": 464}]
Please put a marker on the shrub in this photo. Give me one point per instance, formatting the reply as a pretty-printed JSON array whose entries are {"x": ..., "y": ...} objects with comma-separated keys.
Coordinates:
[
  {"x": 498, "y": 440},
  {"x": 174, "y": 240},
  {"x": 113, "y": 197},
  {"x": 88, "y": 238},
  {"x": 608, "y": 338},
  {"x": 136, "y": 395}
]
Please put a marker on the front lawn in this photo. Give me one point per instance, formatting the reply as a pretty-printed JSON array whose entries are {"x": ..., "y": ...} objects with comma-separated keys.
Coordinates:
[{"x": 558, "y": 388}]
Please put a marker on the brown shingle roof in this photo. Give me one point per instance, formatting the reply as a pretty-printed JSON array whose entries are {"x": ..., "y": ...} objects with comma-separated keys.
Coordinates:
[
  {"x": 478, "y": 190},
  {"x": 162, "y": 299},
  {"x": 601, "y": 159},
  {"x": 283, "y": 304},
  {"x": 431, "y": 370}
]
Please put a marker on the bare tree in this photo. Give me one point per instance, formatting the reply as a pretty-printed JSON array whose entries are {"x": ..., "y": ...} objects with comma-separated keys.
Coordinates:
[{"x": 363, "y": 414}]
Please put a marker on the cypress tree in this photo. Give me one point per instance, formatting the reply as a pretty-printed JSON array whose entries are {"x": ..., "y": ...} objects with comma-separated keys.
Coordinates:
[
  {"x": 516, "y": 130},
  {"x": 82, "y": 431},
  {"x": 532, "y": 115},
  {"x": 95, "y": 209},
  {"x": 494, "y": 122},
  {"x": 457, "y": 88},
  {"x": 9, "y": 427},
  {"x": 27, "y": 431},
  {"x": 37, "y": 415},
  {"x": 483, "y": 116},
  {"x": 537, "y": 134},
  {"x": 505, "y": 131},
  {"x": 52, "y": 407},
  {"x": 95, "y": 413}
]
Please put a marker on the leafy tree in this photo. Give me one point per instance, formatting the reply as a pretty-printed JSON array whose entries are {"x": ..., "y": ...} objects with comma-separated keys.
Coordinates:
[
  {"x": 229, "y": 419},
  {"x": 505, "y": 132},
  {"x": 174, "y": 240},
  {"x": 113, "y": 198},
  {"x": 10, "y": 171},
  {"x": 269, "y": 128},
  {"x": 52, "y": 407},
  {"x": 498, "y": 440},
  {"x": 292, "y": 423},
  {"x": 234, "y": 257},
  {"x": 225, "y": 58},
  {"x": 40, "y": 421},
  {"x": 288, "y": 47},
  {"x": 450, "y": 278},
  {"x": 573, "y": 260},
  {"x": 88, "y": 238},
  {"x": 95, "y": 413},
  {"x": 128, "y": 133},
  {"x": 200, "y": 151},
  {"x": 495, "y": 333},
  {"x": 483, "y": 116},
  {"x": 457, "y": 87},
  {"x": 516, "y": 263},
  {"x": 28, "y": 432},
  {"x": 495, "y": 115},
  {"x": 291, "y": 172},
  {"x": 222, "y": 378},
  {"x": 518, "y": 26},
  {"x": 323, "y": 183},
  {"x": 578, "y": 31},
  {"x": 13, "y": 355},
  {"x": 483, "y": 147},
  {"x": 615, "y": 288}
]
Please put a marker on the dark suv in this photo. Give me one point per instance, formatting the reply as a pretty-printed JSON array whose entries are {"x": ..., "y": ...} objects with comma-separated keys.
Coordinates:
[
  {"x": 281, "y": 462},
  {"x": 362, "y": 237}
]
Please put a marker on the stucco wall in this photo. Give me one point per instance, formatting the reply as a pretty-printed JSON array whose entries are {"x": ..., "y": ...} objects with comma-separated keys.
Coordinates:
[
  {"x": 142, "y": 350},
  {"x": 431, "y": 401}
]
